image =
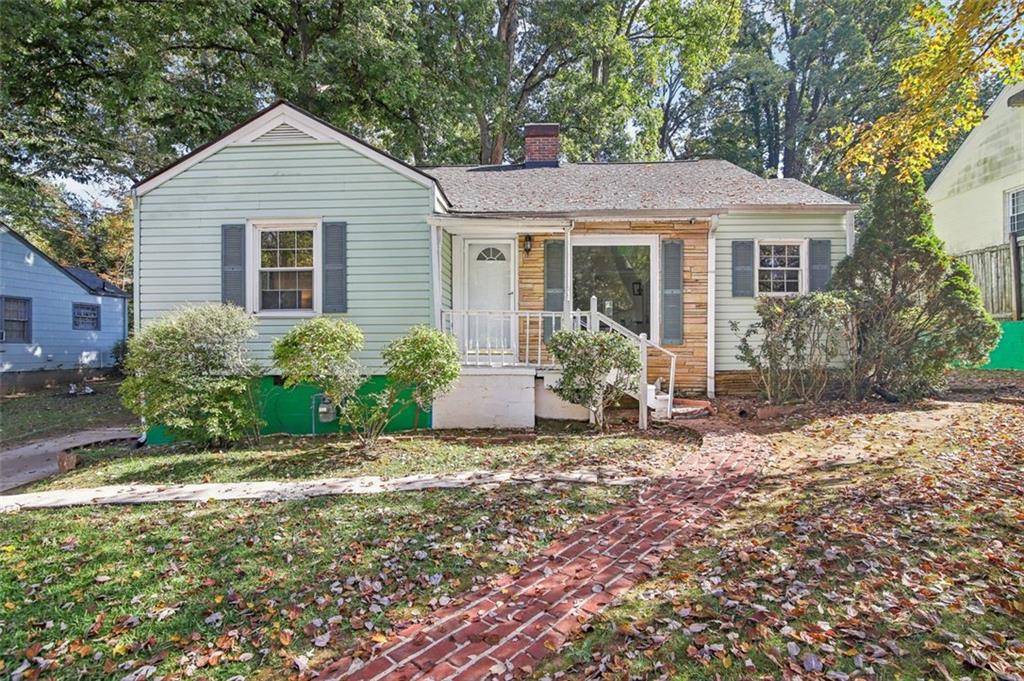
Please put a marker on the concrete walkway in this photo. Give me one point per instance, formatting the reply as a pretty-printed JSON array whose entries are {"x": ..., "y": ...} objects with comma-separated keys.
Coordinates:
[
  {"x": 507, "y": 626},
  {"x": 273, "y": 490},
  {"x": 37, "y": 460}
]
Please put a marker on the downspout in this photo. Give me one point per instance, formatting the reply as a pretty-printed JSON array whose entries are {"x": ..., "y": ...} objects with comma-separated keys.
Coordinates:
[
  {"x": 136, "y": 259},
  {"x": 567, "y": 276},
  {"x": 851, "y": 233},
  {"x": 712, "y": 275},
  {"x": 435, "y": 273}
]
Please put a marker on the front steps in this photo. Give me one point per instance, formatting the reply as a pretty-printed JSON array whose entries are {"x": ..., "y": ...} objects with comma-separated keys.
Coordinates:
[{"x": 663, "y": 408}]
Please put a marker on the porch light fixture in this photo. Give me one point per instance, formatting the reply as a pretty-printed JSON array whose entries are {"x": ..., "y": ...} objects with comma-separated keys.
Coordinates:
[{"x": 527, "y": 244}]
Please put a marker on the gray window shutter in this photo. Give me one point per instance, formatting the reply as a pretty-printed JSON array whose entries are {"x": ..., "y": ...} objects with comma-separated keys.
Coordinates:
[
  {"x": 821, "y": 263},
  {"x": 554, "y": 280},
  {"x": 335, "y": 277},
  {"x": 672, "y": 291},
  {"x": 232, "y": 264},
  {"x": 743, "y": 269}
]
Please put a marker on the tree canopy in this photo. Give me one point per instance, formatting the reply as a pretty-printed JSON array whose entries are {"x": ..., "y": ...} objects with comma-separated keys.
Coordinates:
[
  {"x": 106, "y": 91},
  {"x": 938, "y": 96}
]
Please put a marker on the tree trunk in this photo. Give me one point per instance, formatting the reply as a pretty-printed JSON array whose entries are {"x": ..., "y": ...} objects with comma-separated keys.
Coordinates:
[{"x": 791, "y": 162}]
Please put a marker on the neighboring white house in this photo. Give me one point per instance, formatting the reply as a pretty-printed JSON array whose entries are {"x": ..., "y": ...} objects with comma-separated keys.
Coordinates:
[
  {"x": 53, "y": 317},
  {"x": 978, "y": 198},
  {"x": 290, "y": 217}
]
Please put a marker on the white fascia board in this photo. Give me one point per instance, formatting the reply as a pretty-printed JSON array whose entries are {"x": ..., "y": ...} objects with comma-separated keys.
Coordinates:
[
  {"x": 476, "y": 225},
  {"x": 299, "y": 120}
]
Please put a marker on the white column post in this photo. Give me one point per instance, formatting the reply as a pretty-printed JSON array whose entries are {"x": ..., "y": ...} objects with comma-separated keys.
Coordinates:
[
  {"x": 592, "y": 323},
  {"x": 712, "y": 274},
  {"x": 642, "y": 391},
  {"x": 435, "y": 272},
  {"x": 567, "y": 283}
]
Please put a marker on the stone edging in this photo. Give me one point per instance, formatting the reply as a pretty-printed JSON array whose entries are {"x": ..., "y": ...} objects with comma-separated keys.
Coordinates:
[{"x": 274, "y": 490}]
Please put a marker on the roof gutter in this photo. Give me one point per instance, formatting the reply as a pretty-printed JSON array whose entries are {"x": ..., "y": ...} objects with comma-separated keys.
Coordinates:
[{"x": 652, "y": 213}]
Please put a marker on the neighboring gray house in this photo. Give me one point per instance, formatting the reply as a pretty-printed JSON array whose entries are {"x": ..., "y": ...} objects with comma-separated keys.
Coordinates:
[
  {"x": 54, "y": 317},
  {"x": 289, "y": 217}
]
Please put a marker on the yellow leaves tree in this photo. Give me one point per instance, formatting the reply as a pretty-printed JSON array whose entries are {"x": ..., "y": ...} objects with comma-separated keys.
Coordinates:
[{"x": 962, "y": 41}]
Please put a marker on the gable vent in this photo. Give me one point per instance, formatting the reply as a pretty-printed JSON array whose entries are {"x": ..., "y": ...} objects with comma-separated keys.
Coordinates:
[{"x": 283, "y": 134}]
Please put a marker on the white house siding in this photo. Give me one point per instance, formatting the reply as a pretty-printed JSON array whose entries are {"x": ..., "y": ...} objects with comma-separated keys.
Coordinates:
[
  {"x": 969, "y": 195},
  {"x": 745, "y": 226},
  {"x": 388, "y": 258},
  {"x": 55, "y": 345}
]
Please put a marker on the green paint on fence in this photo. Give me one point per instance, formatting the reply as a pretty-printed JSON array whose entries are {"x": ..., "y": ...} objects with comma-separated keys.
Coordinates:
[
  {"x": 1009, "y": 353},
  {"x": 293, "y": 411}
]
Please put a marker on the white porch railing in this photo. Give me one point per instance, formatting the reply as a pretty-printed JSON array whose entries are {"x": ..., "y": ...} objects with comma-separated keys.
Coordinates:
[{"x": 501, "y": 338}]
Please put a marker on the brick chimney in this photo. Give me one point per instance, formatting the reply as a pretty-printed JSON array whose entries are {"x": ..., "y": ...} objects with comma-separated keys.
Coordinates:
[{"x": 542, "y": 145}]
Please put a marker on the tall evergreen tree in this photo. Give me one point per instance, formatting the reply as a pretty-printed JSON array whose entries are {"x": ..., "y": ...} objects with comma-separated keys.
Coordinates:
[{"x": 916, "y": 309}]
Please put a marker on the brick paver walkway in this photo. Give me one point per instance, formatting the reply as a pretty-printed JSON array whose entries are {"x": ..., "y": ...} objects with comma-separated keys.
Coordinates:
[{"x": 506, "y": 627}]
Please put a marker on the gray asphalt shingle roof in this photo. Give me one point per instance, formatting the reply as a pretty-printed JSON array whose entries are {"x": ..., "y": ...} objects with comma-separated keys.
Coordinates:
[
  {"x": 572, "y": 188},
  {"x": 95, "y": 283}
]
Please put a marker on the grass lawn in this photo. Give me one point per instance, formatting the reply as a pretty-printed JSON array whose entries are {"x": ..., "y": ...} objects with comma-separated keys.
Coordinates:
[
  {"x": 47, "y": 413},
  {"x": 267, "y": 589},
  {"x": 301, "y": 458},
  {"x": 259, "y": 590},
  {"x": 886, "y": 545}
]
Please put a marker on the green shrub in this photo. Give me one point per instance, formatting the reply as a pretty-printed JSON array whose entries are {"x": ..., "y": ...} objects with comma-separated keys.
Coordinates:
[
  {"x": 319, "y": 351},
  {"x": 598, "y": 369},
  {"x": 795, "y": 344},
  {"x": 190, "y": 372},
  {"x": 420, "y": 367},
  {"x": 425, "y": 361},
  {"x": 916, "y": 310}
]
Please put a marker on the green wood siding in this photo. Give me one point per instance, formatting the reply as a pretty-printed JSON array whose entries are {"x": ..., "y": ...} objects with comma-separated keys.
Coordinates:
[
  {"x": 388, "y": 260},
  {"x": 760, "y": 226}
]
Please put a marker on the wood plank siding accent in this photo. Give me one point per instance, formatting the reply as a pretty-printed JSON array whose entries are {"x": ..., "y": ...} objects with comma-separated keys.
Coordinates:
[
  {"x": 691, "y": 366},
  {"x": 737, "y": 382}
]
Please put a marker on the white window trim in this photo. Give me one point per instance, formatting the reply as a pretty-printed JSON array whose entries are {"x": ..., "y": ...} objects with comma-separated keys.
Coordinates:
[
  {"x": 653, "y": 241},
  {"x": 805, "y": 269},
  {"x": 252, "y": 270},
  {"x": 1007, "y": 195}
]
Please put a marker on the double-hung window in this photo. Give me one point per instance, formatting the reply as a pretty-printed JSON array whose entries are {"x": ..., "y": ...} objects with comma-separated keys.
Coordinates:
[
  {"x": 1015, "y": 212},
  {"x": 780, "y": 267},
  {"x": 85, "y": 317},
  {"x": 17, "y": 319},
  {"x": 286, "y": 267}
]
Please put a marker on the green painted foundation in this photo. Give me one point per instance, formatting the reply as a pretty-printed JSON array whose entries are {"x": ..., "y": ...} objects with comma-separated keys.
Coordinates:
[
  {"x": 293, "y": 411},
  {"x": 1009, "y": 353}
]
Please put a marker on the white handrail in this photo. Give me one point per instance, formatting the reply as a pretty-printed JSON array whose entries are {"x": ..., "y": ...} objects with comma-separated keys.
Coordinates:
[
  {"x": 516, "y": 338},
  {"x": 638, "y": 339}
]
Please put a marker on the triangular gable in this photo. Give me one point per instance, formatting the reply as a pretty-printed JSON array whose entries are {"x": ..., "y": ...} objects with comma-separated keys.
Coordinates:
[
  {"x": 283, "y": 123},
  {"x": 5, "y": 228},
  {"x": 977, "y": 134}
]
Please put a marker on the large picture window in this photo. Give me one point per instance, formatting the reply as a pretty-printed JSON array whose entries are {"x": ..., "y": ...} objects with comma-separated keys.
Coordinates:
[
  {"x": 287, "y": 267},
  {"x": 17, "y": 319},
  {"x": 620, "y": 277},
  {"x": 780, "y": 268}
]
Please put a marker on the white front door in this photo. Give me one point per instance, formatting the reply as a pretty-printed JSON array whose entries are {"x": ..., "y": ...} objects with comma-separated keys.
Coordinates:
[{"x": 490, "y": 288}]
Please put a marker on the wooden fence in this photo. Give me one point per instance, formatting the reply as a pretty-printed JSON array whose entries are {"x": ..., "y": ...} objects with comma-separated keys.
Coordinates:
[{"x": 993, "y": 269}]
